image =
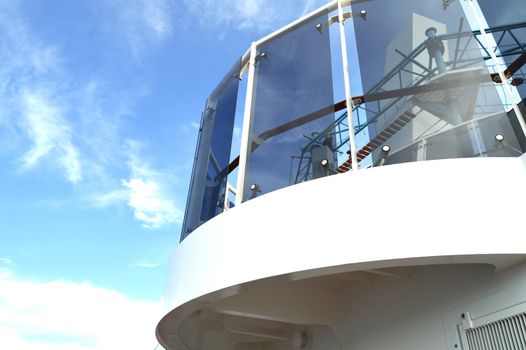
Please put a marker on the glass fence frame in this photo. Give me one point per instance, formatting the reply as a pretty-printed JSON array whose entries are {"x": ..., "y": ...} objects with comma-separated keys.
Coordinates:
[
  {"x": 248, "y": 118},
  {"x": 352, "y": 103}
]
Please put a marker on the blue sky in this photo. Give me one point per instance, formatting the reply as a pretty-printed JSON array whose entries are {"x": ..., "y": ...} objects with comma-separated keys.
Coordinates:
[{"x": 100, "y": 104}]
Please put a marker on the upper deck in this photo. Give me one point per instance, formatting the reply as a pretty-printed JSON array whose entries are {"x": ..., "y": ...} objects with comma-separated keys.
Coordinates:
[
  {"x": 317, "y": 98},
  {"x": 409, "y": 118}
]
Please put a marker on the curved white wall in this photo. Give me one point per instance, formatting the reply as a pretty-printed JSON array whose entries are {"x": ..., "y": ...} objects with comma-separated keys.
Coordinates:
[{"x": 443, "y": 208}]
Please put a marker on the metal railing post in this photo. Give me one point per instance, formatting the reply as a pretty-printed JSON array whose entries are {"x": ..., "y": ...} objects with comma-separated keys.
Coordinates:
[
  {"x": 246, "y": 139},
  {"x": 347, "y": 80}
]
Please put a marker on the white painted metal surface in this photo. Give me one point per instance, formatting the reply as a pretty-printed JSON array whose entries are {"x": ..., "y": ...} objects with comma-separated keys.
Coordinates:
[
  {"x": 260, "y": 265},
  {"x": 247, "y": 127},
  {"x": 442, "y": 208},
  {"x": 347, "y": 85},
  {"x": 328, "y": 7}
]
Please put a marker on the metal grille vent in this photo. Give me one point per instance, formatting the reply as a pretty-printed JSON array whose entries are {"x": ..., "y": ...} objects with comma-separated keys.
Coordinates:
[{"x": 506, "y": 334}]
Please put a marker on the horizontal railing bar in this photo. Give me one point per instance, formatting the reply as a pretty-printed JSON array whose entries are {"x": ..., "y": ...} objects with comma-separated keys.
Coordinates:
[{"x": 378, "y": 96}]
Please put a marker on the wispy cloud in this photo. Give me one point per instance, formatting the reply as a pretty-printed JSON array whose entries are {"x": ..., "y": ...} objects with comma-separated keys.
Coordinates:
[
  {"x": 148, "y": 193},
  {"x": 64, "y": 315},
  {"x": 140, "y": 22},
  {"x": 69, "y": 125},
  {"x": 150, "y": 205},
  {"x": 104, "y": 200},
  {"x": 190, "y": 128},
  {"x": 262, "y": 15},
  {"x": 6, "y": 261},
  {"x": 31, "y": 77},
  {"x": 310, "y": 5},
  {"x": 147, "y": 264},
  {"x": 50, "y": 134},
  {"x": 146, "y": 190},
  {"x": 157, "y": 17}
]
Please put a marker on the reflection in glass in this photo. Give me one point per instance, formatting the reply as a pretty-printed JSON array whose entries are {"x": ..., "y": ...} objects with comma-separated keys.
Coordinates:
[
  {"x": 426, "y": 83},
  {"x": 208, "y": 187},
  {"x": 292, "y": 140},
  {"x": 506, "y": 21}
]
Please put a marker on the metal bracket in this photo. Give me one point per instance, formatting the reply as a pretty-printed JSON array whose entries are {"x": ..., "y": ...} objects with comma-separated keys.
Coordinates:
[
  {"x": 261, "y": 56},
  {"x": 446, "y": 3},
  {"x": 336, "y": 19},
  {"x": 332, "y": 20},
  {"x": 467, "y": 323}
]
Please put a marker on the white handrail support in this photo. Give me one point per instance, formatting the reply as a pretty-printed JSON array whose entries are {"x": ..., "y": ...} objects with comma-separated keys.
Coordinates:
[
  {"x": 246, "y": 139},
  {"x": 346, "y": 79}
]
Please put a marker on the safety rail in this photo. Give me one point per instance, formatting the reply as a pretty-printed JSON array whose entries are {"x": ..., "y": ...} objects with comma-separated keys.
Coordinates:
[
  {"x": 293, "y": 131},
  {"x": 377, "y": 93}
]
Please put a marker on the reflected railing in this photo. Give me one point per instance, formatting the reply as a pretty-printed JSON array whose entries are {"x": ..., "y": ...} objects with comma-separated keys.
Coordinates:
[
  {"x": 378, "y": 93},
  {"x": 474, "y": 138},
  {"x": 292, "y": 102},
  {"x": 441, "y": 97}
]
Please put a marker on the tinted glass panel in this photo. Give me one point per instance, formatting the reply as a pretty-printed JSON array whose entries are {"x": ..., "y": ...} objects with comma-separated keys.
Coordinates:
[
  {"x": 209, "y": 176},
  {"x": 507, "y": 23},
  {"x": 426, "y": 82},
  {"x": 293, "y": 82}
]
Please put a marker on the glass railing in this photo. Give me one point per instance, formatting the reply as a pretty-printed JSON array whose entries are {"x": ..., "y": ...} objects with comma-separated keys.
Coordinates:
[
  {"x": 426, "y": 85},
  {"x": 506, "y": 21},
  {"x": 292, "y": 83},
  {"x": 209, "y": 183}
]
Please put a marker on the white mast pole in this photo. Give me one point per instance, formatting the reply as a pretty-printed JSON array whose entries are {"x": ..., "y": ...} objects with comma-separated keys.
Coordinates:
[{"x": 346, "y": 79}]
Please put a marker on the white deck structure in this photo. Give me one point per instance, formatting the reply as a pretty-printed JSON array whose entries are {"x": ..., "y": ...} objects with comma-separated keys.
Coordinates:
[{"x": 423, "y": 247}]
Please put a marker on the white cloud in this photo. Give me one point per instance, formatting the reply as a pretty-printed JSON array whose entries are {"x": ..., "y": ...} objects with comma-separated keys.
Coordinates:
[
  {"x": 147, "y": 264},
  {"x": 191, "y": 128},
  {"x": 75, "y": 316},
  {"x": 310, "y": 5},
  {"x": 44, "y": 59},
  {"x": 51, "y": 135},
  {"x": 261, "y": 15},
  {"x": 147, "y": 199},
  {"x": 105, "y": 200},
  {"x": 149, "y": 192},
  {"x": 140, "y": 22},
  {"x": 156, "y": 16},
  {"x": 54, "y": 121},
  {"x": 33, "y": 107},
  {"x": 6, "y": 261}
]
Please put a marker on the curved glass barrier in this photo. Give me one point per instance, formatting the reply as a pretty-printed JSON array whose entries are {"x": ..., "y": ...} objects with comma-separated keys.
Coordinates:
[
  {"x": 209, "y": 182},
  {"x": 428, "y": 91},
  {"x": 292, "y": 104}
]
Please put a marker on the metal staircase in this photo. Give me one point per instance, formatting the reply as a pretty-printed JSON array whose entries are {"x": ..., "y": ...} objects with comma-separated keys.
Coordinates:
[{"x": 380, "y": 99}]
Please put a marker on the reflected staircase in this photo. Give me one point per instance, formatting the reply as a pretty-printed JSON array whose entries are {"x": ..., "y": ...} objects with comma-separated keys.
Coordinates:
[{"x": 377, "y": 95}]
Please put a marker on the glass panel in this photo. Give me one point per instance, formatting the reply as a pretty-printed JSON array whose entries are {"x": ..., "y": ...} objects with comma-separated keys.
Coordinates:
[
  {"x": 510, "y": 145},
  {"x": 426, "y": 82},
  {"x": 458, "y": 142},
  {"x": 506, "y": 21},
  {"x": 293, "y": 116},
  {"x": 407, "y": 154},
  {"x": 209, "y": 175}
]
